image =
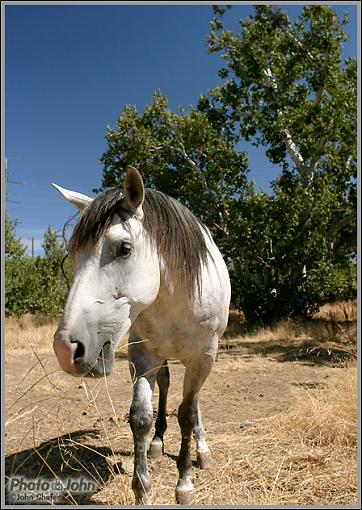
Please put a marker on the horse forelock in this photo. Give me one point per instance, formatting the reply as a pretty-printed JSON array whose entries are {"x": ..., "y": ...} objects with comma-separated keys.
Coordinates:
[{"x": 174, "y": 231}]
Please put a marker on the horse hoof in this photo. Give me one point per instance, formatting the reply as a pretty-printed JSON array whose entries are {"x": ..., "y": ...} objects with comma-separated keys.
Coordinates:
[
  {"x": 184, "y": 492},
  {"x": 156, "y": 449},
  {"x": 184, "y": 497},
  {"x": 141, "y": 500},
  {"x": 203, "y": 460}
]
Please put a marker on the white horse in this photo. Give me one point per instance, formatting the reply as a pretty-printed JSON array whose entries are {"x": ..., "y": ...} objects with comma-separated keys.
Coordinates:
[{"x": 145, "y": 265}]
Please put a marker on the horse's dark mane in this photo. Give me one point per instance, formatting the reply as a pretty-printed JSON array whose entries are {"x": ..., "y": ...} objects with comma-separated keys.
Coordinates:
[{"x": 174, "y": 230}]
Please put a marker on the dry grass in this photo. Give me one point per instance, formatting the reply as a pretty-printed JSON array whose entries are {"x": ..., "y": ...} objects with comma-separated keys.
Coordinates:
[
  {"x": 306, "y": 454},
  {"x": 336, "y": 322},
  {"x": 325, "y": 418},
  {"x": 291, "y": 332},
  {"x": 302, "y": 455},
  {"x": 36, "y": 330},
  {"x": 302, "y": 451},
  {"x": 339, "y": 311},
  {"x": 330, "y": 333}
]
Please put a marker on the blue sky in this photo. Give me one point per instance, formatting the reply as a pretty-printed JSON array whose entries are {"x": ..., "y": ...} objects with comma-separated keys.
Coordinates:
[{"x": 69, "y": 72}]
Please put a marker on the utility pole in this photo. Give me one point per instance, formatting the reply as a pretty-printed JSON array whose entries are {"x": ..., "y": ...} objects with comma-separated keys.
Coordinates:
[{"x": 32, "y": 246}]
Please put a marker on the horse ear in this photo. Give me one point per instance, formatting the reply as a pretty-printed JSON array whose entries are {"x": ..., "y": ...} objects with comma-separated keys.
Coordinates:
[
  {"x": 78, "y": 199},
  {"x": 134, "y": 189}
]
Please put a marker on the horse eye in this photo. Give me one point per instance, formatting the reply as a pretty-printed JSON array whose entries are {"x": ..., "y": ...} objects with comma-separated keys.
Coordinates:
[{"x": 124, "y": 250}]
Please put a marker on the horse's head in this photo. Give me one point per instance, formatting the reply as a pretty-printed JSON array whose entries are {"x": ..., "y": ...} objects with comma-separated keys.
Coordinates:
[{"x": 116, "y": 276}]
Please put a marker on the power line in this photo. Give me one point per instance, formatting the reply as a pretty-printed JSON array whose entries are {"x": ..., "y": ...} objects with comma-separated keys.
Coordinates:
[{"x": 10, "y": 181}]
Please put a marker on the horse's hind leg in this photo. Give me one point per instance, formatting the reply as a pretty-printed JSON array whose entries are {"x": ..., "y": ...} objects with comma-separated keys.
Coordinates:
[
  {"x": 163, "y": 381},
  {"x": 195, "y": 376},
  {"x": 202, "y": 450}
]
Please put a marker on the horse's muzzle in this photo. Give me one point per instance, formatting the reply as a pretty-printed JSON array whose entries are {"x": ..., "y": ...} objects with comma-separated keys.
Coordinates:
[{"x": 74, "y": 359}]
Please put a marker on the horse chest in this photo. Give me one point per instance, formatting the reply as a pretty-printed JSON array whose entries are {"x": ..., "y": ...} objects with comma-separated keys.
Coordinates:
[{"x": 174, "y": 335}]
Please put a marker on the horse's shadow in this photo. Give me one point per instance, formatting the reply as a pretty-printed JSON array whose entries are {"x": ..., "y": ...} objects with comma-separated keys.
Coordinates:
[{"x": 82, "y": 468}]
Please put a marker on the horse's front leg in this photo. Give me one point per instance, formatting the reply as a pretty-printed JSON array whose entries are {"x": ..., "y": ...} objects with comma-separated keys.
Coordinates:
[
  {"x": 140, "y": 419},
  {"x": 143, "y": 367}
]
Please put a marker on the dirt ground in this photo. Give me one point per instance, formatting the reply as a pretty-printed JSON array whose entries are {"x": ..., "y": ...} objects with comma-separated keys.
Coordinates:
[{"x": 59, "y": 427}]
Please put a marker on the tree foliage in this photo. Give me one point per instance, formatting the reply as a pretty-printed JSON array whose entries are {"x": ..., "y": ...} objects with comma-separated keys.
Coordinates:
[
  {"x": 14, "y": 248},
  {"x": 183, "y": 156},
  {"x": 35, "y": 285},
  {"x": 286, "y": 89},
  {"x": 282, "y": 264}
]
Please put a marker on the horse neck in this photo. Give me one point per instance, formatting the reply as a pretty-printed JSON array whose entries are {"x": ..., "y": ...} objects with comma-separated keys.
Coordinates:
[{"x": 170, "y": 288}]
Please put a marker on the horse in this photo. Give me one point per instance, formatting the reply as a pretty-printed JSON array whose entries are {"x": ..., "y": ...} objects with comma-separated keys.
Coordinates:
[{"x": 146, "y": 266}]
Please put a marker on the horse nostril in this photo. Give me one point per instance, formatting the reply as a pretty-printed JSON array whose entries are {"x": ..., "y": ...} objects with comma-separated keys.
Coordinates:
[{"x": 79, "y": 352}]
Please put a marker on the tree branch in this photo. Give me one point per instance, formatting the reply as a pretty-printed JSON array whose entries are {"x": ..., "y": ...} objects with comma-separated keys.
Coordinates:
[
  {"x": 295, "y": 155},
  {"x": 300, "y": 45},
  {"x": 293, "y": 152},
  {"x": 296, "y": 41},
  {"x": 181, "y": 150},
  {"x": 318, "y": 97},
  {"x": 317, "y": 156},
  {"x": 337, "y": 224},
  {"x": 348, "y": 164}
]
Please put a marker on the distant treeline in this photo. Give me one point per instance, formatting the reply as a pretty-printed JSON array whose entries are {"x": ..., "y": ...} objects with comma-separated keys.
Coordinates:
[{"x": 35, "y": 285}]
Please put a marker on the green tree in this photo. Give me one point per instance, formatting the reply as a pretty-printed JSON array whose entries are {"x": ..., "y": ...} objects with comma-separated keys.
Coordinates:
[
  {"x": 52, "y": 246},
  {"x": 50, "y": 242},
  {"x": 182, "y": 155},
  {"x": 281, "y": 262},
  {"x": 286, "y": 89},
  {"x": 14, "y": 247},
  {"x": 35, "y": 285}
]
